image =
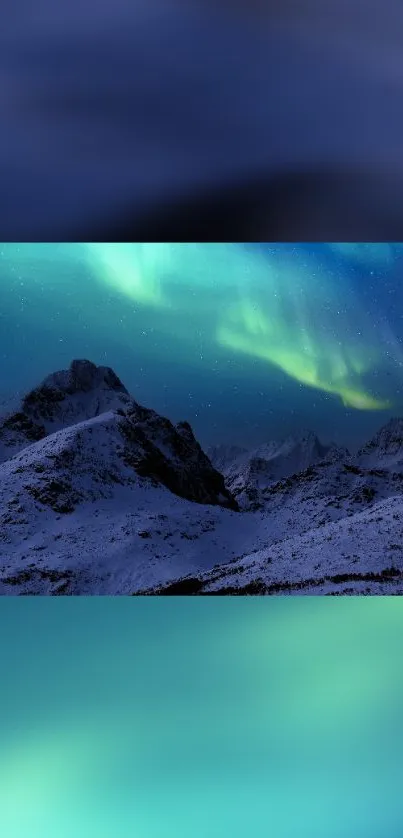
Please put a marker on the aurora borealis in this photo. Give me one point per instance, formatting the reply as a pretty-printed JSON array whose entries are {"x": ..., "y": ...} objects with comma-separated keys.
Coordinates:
[
  {"x": 261, "y": 339},
  {"x": 253, "y": 716},
  {"x": 207, "y": 717}
]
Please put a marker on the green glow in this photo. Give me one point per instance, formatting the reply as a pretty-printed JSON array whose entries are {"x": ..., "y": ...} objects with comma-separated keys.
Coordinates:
[
  {"x": 134, "y": 270},
  {"x": 35, "y": 774},
  {"x": 284, "y": 719},
  {"x": 285, "y": 309},
  {"x": 145, "y": 271},
  {"x": 247, "y": 330}
]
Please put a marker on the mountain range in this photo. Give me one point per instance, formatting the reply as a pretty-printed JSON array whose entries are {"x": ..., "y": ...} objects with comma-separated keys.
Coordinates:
[{"x": 100, "y": 495}]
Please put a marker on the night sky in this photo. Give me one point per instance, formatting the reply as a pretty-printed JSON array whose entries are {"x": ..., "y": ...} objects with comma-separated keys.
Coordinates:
[{"x": 248, "y": 342}]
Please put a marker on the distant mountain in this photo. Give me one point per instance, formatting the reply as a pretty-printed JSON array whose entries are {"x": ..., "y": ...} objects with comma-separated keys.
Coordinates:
[
  {"x": 221, "y": 456},
  {"x": 247, "y": 473},
  {"x": 99, "y": 495},
  {"x": 385, "y": 449}
]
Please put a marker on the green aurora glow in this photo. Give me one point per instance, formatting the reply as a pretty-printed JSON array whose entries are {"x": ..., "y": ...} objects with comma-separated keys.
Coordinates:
[
  {"x": 175, "y": 718},
  {"x": 287, "y": 312}
]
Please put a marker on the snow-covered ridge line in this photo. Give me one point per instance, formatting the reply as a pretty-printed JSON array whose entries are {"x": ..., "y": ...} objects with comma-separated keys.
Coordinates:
[{"x": 100, "y": 495}]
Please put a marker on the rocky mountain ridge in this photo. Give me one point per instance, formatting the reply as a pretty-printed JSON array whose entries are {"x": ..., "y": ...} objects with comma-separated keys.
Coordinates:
[{"x": 100, "y": 495}]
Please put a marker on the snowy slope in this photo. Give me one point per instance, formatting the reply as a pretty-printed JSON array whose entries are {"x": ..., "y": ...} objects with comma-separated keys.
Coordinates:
[
  {"x": 81, "y": 460},
  {"x": 334, "y": 528},
  {"x": 361, "y": 554},
  {"x": 101, "y": 530},
  {"x": 249, "y": 472},
  {"x": 99, "y": 495}
]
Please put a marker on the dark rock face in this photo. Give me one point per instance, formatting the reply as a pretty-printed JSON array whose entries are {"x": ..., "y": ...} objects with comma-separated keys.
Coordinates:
[
  {"x": 82, "y": 377},
  {"x": 170, "y": 455},
  {"x": 40, "y": 403},
  {"x": 58, "y": 495},
  {"x": 388, "y": 441},
  {"x": 20, "y": 423}
]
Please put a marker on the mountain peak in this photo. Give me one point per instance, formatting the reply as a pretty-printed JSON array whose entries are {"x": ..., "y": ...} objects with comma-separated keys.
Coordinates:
[
  {"x": 63, "y": 398},
  {"x": 81, "y": 392},
  {"x": 223, "y": 455},
  {"x": 81, "y": 377},
  {"x": 387, "y": 442},
  {"x": 73, "y": 407}
]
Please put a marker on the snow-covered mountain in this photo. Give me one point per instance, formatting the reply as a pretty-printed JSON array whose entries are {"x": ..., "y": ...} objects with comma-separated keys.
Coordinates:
[
  {"x": 386, "y": 447},
  {"x": 335, "y": 527},
  {"x": 63, "y": 399},
  {"x": 84, "y": 417},
  {"x": 361, "y": 553},
  {"x": 248, "y": 473},
  {"x": 222, "y": 456},
  {"x": 99, "y": 495}
]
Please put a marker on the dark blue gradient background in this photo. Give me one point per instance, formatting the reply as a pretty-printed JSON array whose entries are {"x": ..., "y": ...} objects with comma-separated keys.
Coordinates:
[{"x": 117, "y": 110}]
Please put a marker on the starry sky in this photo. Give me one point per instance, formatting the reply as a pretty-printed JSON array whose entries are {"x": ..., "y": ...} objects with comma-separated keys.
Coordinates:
[
  {"x": 114, "y": 721},
  {"x": 248, "y": 342}
]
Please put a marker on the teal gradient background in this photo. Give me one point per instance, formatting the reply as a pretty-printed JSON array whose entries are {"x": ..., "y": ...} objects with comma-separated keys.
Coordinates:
[{"x": 166, "y": 719}]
